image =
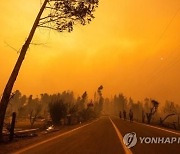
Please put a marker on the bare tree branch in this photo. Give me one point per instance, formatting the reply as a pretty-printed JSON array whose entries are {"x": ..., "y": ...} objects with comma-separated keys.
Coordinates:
[{"x": 11, "y": 47}]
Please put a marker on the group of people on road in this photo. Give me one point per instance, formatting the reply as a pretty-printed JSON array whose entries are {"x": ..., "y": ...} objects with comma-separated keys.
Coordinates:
[{"x": 124, "y": 115}]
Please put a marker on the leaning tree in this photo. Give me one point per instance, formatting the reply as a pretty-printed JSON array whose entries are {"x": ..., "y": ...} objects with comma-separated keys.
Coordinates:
[{"x": 59, "y": 15}]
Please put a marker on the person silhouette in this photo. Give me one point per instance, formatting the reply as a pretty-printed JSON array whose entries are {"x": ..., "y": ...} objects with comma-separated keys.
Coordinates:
[
  {"x": 131, "y": 115},
  {"x": 124, "y": 114}
]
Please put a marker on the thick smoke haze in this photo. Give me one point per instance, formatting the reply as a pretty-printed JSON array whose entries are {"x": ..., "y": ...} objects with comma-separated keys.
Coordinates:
[{"x": 130, "y": 47}]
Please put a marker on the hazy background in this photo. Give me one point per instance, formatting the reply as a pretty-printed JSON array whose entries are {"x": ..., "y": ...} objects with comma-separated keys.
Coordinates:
[{"x": 132, "y": 46}]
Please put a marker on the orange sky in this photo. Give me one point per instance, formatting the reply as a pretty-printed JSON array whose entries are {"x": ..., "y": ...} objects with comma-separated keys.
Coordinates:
[{"x": 132, "y": 46}]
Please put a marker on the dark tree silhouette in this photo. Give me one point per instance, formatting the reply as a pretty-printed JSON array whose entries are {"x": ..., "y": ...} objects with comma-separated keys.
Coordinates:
[
  {"x": 120, "y": 103},
  {"x": 170, "y": 109},
  {"x": 99, "y": 104},
  {"x": 166, "y": 117},
  {"x": 34, "y": 113},
  {"x": 62, "y": 15},
  {"x": 57, "y": 110},
  {"x": 153, "y": 110}
]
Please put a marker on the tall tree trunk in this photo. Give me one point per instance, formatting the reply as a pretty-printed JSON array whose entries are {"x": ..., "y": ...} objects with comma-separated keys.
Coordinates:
[{"x": 14, "y": 74}]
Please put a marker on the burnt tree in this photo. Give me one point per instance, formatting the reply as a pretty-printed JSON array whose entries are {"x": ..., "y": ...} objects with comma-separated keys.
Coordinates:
[{"x": 153, "y": 110}]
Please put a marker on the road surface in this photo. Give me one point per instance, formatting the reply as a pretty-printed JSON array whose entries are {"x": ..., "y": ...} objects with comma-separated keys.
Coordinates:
[{"x": 104, "y": 136}]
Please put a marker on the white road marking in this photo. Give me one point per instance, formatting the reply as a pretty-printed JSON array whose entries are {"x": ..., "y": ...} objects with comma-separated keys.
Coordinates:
[
  {"x": 169, "y": 131},
  {"x": 53, "y": 138},
  {"x": 127, "y": 150}
]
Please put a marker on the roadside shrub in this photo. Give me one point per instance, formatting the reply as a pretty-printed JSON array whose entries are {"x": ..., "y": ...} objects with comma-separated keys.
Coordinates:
[{"x": 57, "y": 110}]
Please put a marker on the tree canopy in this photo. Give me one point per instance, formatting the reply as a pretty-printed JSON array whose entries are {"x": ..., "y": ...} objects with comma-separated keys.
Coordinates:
[{"x": 64, "y": 14}]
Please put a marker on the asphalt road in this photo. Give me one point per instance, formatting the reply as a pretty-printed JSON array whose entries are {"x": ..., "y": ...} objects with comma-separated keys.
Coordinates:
[{"x": 104, "y": 136}]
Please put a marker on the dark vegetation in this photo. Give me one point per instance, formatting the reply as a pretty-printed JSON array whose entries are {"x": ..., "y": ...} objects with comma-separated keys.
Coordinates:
[
  {"x": 148, "y": 111},
  {"x": 57, "y": 109},
  {"x": 66, "y": 109}
]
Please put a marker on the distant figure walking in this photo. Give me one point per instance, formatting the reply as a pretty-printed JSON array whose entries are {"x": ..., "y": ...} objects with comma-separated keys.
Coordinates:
[
  {"x": 131, "y": 115},
  {"x": 120, "y": 116},
  {"x": 124, "y": 114},
  {"x": 143, "y": 116}
]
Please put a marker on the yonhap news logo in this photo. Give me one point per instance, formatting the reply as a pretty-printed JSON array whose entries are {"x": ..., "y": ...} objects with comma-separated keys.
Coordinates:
[{"x": 131, "y": 139}]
